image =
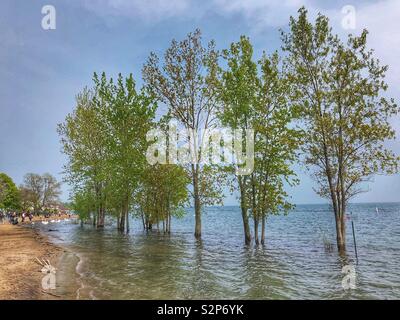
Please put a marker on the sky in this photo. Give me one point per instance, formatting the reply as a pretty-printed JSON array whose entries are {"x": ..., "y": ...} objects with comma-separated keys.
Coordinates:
[{"x": 41, "y": 71}]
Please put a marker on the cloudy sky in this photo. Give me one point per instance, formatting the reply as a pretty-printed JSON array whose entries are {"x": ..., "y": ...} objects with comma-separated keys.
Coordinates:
[{"x": 42, "y": 70}]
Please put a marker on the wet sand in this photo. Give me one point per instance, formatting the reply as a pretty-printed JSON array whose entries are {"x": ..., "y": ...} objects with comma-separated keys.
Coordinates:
[{"x": 20, "y": 273}]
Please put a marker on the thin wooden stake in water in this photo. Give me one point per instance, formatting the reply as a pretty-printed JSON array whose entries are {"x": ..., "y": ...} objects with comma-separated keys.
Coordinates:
[{"x": 354, "y": 239}]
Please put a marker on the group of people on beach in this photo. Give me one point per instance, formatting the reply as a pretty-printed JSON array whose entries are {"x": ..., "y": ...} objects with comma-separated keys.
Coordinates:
[{"x": 13, "y": 217}]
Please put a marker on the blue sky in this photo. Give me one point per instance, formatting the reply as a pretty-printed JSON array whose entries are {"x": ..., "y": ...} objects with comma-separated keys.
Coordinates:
[{"x": 41, "y": 71}]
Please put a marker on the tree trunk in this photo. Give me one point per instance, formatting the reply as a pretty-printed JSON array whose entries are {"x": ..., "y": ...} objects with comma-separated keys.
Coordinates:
[
  {"x": 246, "y": 226},
  {"x": 100, "y": 221},
  {"x": 256, "y": 230},
  {"x": 144, "y": 224},
  {"x": 340, "y": 233},
  {"x": 169, "y": 223},
  {"x": 263, "y": 230},
  {"x": 197, "y": 204},
  {"x": 127, "y": 221},
  {"x": 122, "y": 222},
  {"x": 244, "y": 209}
]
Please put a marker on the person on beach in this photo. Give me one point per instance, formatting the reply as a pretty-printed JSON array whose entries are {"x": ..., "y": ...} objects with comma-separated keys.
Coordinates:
[{"x": 14, "y": 219}]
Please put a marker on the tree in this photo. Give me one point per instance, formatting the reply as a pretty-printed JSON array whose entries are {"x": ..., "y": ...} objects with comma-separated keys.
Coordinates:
[
  {"x": 128, "y": 117},
  {"x": 84, "y": 141},
  {"x": 40, "y": 191},
  {"x": 237, "y": 91},
  {"x": 339, "y": 89},
  {"x": 163, "y": 194},
  {"x": 9, "y": 193},
  {"x": 105, "y": 141},
  {"x": 186, "y": 85},
  {"x": 33, "y": 190},
  {"x": 84, "y": 204},
  {"x": 254, "y": 96},
  {"x": 51, "y": 190}
]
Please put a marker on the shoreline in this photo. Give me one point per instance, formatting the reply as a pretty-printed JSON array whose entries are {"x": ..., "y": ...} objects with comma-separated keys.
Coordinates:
[{"x": 20, "y": 273}]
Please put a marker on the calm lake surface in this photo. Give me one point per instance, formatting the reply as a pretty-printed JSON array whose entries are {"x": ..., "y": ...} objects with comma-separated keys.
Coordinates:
[{"x": 293, "y": 264}]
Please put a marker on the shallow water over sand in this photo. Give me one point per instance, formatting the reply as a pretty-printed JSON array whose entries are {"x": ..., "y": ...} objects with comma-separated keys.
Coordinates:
[{"x": 293, "y": 264}]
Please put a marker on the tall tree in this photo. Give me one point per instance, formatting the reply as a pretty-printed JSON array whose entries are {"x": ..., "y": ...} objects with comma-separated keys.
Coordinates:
[
  {"x": 40, "y": 191},
  {"x": 185, "y": 83},
  {"x": 105, "y": 140},
  {"x": 254, "y": 96},
  {"x": 238, "y": 92},
  {"x": 51, "y": 189},
  {"x": 128, "y": 117},
  {"x": 84, "y": 140},
  {"x": 10, "y": 198},
  {"x": 339, "y": 88},
  {"x": 163, "y": 194}
]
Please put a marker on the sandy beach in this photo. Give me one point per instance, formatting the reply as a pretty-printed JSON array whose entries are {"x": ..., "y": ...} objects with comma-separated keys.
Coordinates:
[{"x": 20, "y": 273}]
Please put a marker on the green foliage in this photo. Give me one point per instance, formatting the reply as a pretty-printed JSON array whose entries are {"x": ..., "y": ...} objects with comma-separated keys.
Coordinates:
[
  {"x": 186, "y": 84},
  {"x": 163, "y": 192},
  {"x": 39, "y": 191},
  {"x": 105, "y": 141},
  {"x": 339, "y": 89},
  {"x": 83, "y": 203},
  {"x": 10, "y": 198},
  {"x": 254, "y": 96}
]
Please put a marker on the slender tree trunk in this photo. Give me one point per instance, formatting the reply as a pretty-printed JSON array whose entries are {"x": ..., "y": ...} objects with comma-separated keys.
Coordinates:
[
  {"x": 197, "y": 204},
  {"x": 169, "y": 223},
  {"x": 263, "y": 230},
  {"x": 340, "y": 233},
  {"x": 256, "y": 222},
  {"x": 245, "y": 216},
  {"x": 100, "y": 220},
  {"x": 246, "y": 226},
  {"x": 127, "y": 221},
  {"x": 144, "y": 224},
  {"x": 122, "y": 221}
]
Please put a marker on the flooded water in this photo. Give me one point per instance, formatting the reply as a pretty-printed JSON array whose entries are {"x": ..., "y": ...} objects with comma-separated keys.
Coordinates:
[{"x": 294, "y": 263}]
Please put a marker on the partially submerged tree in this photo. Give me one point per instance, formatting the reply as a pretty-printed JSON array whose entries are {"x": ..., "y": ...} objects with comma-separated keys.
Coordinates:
[
  {"x": 105, "y": 141},
  {"x": 84, "y": 141},
  {"x": 163, "y": 194},
  {"x": 254, "y": 96},
  {"x": 185, "y": 83},
  {"x": 128, "y": 117},
  {"x": 340, "y": 90}
]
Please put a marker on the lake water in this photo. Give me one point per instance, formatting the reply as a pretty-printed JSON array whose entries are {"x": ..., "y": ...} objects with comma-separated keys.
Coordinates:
[{"x": 294, "y": 263}]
